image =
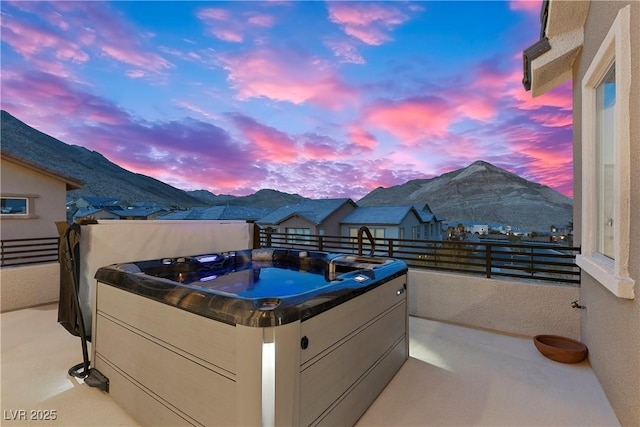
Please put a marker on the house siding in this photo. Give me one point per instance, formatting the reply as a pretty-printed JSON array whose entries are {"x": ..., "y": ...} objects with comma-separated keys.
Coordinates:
[
  {"x": 331, "y": 225},
  {"x": 47, "y": 207},
  {"x": 610, "y": 325}
]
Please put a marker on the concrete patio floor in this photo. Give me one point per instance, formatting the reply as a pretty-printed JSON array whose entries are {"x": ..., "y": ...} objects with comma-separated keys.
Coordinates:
[{"x": 455, "y": 376}]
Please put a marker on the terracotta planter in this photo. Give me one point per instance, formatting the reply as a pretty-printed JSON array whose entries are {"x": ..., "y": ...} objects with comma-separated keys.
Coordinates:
[{"x": 560, "y": 349}]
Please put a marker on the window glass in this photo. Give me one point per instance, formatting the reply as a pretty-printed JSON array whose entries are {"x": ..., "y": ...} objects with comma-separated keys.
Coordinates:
[
  {"x": 296, "y": 235},
  {"x": 605, "y": 162},
  {"x": 15, "y": 206}
]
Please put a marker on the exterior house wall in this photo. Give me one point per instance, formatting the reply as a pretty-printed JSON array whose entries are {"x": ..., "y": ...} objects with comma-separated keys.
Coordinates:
[
  {"x": 514, "y": 307},
  {"x": 297, "y": 222},
  {"x": 391, "y": 231},
  {"x": 29, "y": 285},
  {"x": 331, "y": 224},
  {"x": 47, "y": 207},
  {"x": 610, "y": 326}
]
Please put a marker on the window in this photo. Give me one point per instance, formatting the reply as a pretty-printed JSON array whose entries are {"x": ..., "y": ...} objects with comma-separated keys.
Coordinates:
[
  {"x": 606, "y": 138},
  {"x": 605, "y": 162},
  {"x": 415, "y": 232},
  {"x": 376, "y": 233},
  {"x": 298, "y": 235},
  {"x": 15, "y": 206}
]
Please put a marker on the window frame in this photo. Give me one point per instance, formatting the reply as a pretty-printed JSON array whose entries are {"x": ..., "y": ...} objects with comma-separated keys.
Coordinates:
[
  {"x": 613, "y": 274},
  {"x": 298, "y": 234},
  {"x": 30, "y": 205}
]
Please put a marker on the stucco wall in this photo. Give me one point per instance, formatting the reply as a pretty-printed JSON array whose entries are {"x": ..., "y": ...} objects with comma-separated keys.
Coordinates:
[
  {"x": 611, "y": 326},
  {"x": 49, "y": 206},
  {"x": 29, "y": 285},
  {"x": 522, "y": 308}
]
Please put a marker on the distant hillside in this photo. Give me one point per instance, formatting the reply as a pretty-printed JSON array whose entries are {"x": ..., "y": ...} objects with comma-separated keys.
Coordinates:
[
  {"x": 481, "y": 192},
  {"x": 265, "y": 198},
  {"x": 101, "y": 177}
]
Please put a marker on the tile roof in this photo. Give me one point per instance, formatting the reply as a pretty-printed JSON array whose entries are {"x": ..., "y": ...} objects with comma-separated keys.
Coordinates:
[
  {"x": 314, "y": 211},
  {"x": 391, "y": 215},
  {"x": 220, "y": 212}
]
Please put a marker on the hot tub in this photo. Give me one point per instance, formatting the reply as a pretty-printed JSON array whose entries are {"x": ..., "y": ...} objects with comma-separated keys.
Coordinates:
[{"x": 255, "y": 337}]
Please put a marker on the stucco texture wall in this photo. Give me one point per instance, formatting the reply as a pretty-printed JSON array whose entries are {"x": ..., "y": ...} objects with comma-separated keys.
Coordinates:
[
  {"x": 27, "y": 286},
  {"x": 611, "y": 326},
  {"x": 515, "y": 307},
  {"x": 48, "y": 207}
]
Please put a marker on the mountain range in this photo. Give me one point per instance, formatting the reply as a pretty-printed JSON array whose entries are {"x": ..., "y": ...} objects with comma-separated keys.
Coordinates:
[
  {"x": 480, "y": 192},
  {"x": 484, "y": 193}
]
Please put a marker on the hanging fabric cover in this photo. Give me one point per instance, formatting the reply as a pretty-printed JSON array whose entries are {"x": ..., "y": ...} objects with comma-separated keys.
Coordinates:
[{"x": 69, "y": 255}]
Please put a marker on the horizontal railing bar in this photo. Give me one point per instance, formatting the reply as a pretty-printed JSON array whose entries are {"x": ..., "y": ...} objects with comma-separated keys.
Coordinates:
[
  {"x": 27, "y": 251},
  {"x": 28, "y": 240}
]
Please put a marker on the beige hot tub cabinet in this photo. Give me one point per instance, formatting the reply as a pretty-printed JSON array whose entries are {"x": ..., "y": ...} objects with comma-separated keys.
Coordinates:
[{"x": 169, "y": 366}]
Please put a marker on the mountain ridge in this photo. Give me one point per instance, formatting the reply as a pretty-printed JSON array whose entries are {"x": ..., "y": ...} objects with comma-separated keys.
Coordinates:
[{"x": 479, "y": 192}]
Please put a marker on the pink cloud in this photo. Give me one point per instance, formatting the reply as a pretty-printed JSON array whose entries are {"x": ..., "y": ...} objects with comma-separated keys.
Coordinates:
[
  {"x": 529, "y": 6},
  {"x": 261, "y": 20},
  {"x": 411, "y": 119},
  {"x": 132, "y": 56},
  {"x": 31, "y": 41},
  {"x": 33, "y": 95},
  {"x": 268, "y": 73},
  {"x": 345, "y": 50},
  {"x": 213, "y": 14},
  {"x": 61, "y": 32},
  {"x": 361, "y": 137},
  {"x": 368, "y": 22},
  {"x": 268, "y": 142},
  {"x": 227, "y": 27}
]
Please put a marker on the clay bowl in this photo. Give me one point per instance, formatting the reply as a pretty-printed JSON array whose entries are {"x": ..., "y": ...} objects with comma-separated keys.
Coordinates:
[{"x": 560, "y": 349}]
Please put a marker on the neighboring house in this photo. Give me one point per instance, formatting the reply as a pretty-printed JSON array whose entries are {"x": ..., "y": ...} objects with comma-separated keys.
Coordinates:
[
  {"x": 33, "y": 198},
  {"x": 128, "y": 214},
  {"x": 246, "y": 213},
  {"x": 138, "y": 213},
  {"x": 148, "y": 205},
  {"x": 393, "y": 222},
  {"x": 109, "y": 203},
  {"x": 93, "y": 213},
  {"x": 597, "y": 43},
  {"x": 320, "y": 217}
]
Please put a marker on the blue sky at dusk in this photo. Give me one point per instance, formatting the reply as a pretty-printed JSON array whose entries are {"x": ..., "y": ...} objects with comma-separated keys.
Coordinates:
[{"x": 323, "y": 99}]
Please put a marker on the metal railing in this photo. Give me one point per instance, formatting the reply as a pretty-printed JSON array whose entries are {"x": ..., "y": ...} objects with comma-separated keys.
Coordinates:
[
  {"x": 16, "y": 252},
  {"x": 546, "y": 262}
]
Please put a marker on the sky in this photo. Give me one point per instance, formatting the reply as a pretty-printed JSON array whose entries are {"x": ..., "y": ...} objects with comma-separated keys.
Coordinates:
[{"x": 323, "y": 99}]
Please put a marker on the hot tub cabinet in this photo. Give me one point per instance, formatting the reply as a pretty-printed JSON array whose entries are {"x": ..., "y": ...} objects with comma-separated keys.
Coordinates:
[{"x": 228, "y": 339}]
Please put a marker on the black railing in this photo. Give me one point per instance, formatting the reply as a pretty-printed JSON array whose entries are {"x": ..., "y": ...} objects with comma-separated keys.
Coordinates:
[
  {"x": 16, "y": 252},
  {"x": 545, "y": 262}
]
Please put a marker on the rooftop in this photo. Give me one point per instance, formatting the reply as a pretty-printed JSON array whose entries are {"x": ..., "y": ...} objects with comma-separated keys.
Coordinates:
[{"x": 454, "y": 376}]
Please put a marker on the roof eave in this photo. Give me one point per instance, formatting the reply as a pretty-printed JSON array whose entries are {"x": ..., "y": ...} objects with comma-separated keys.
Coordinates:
[
  {"x": 549, "y": 62},
  {"x": 70, "y": 183}
]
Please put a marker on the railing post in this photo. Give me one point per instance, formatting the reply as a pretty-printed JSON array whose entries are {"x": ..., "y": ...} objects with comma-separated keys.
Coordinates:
[
  {"x": 488, "y": 260},
  {"x": 390, "y": 248},
  {"x": 269, "y": 230},
  {"x": 321, "y": 243}
]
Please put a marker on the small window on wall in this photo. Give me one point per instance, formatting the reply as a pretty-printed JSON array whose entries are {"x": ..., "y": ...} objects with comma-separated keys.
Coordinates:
[
  {"x": 18, "y": 206},
  {"x": 298, "y": 235},
  {"x": 606, "y": 150}
]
